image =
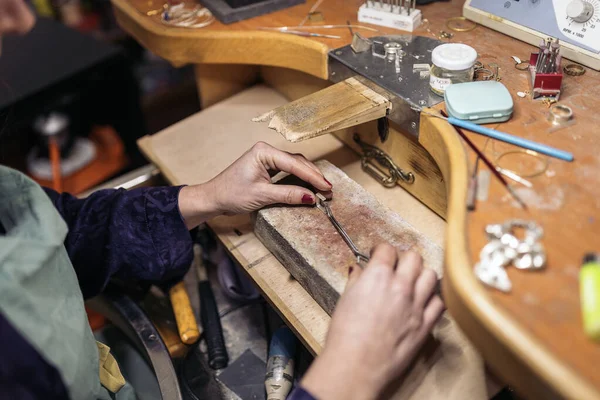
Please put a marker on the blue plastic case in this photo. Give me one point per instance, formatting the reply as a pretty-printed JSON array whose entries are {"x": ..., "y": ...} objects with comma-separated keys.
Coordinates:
[{"x": 480, "y": 102}]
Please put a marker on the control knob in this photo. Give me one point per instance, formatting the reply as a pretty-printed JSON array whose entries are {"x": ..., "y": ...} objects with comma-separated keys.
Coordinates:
[{"x": 580, "y": 10}]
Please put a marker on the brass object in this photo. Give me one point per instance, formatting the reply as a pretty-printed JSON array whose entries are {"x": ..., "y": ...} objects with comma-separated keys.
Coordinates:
[
  {"x": 548, "y": 102},
  {"x": 457, "y": 24},
  {"x": 157, "y": 11},
  {"x": 574, "y": 70},
  {"x": 445, "y": 35},
  {"x": 372, "y": 153},
  {"x": 529, "y": 153}
]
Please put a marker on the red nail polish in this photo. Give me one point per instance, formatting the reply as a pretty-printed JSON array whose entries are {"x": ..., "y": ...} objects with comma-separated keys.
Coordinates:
[
  {"x": 307, "y": 199},
  {"x": 329, "y": 183},
  {"x": 350, "y": 269}
]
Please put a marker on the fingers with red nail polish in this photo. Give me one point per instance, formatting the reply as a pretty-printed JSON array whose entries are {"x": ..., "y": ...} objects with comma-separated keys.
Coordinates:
[{"x": 307, "y": 199}]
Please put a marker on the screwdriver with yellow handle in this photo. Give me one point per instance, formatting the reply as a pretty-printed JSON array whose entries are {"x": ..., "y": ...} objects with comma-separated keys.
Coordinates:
[{"x": 182, "y": 308}]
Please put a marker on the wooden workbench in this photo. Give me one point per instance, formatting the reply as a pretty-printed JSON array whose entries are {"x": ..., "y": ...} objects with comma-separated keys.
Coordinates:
[{"x": 531, "y": 337}]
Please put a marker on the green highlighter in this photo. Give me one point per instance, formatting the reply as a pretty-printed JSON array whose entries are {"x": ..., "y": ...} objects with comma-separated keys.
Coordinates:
[{"x": 589, "y": 287}]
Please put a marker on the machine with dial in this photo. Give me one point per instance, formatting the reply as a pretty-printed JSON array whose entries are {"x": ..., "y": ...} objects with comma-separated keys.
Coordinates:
[{"x": 576, "y": 23}]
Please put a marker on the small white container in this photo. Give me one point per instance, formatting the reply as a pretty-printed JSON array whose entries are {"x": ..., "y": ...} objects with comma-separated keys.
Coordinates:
[{"x": 452, "y": 63}]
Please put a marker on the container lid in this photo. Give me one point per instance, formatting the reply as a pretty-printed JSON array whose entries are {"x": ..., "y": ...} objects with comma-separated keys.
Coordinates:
[
  {"x": 454, "y": 56},
  {"x": 476, "y": 101}
]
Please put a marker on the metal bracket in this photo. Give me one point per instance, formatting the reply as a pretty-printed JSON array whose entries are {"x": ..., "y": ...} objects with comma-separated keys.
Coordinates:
[
  {"x": 392, "y": 77},
  {"x": 371, "y": 153}
]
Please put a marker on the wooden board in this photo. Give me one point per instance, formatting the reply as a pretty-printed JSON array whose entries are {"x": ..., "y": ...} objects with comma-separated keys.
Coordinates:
[
  {"x": 307, "y": 244},
  {"x": 218, "y": 82},
  {"x": 345, "y": 104},
  {"x": 448, "y": 368}
]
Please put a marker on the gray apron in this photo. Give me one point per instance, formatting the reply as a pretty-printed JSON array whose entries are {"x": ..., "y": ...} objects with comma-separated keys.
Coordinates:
[{"x": 40, "y": 295}]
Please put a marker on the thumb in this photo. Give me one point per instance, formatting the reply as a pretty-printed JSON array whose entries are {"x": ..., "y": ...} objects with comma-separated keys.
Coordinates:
[
  {"x": 288, "y": 194},
  {"x": 354, "y": 272}
]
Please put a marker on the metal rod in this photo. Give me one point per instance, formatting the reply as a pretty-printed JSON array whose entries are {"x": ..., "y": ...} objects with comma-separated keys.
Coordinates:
[
  {"x": 545, "y": 56},
  {"x": 514, "y": 177},
  {"x": 472, "y": 192},
  {"x": 542, "y": 47}
]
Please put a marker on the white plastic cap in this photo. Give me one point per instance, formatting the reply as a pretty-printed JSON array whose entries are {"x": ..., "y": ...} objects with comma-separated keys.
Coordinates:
[
  {"x": 52, "y": 124},
  {"x": 454, "y": 56}
]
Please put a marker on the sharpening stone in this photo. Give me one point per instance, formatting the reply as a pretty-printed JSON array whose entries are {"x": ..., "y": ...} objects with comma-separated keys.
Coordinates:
[{"x": 309, "y": 247}]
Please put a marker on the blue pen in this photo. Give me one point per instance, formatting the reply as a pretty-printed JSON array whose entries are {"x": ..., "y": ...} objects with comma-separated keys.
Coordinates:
[
  {"x": 517, "y": 141},
  {"x": 505, "y": 137}
]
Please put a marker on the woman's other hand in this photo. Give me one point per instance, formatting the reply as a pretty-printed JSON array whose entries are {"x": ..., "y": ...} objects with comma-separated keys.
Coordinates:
[
  {"x": 379, "y": 324},
  {"x": 15, "y": 17},
  {"x": 245, "y": 186}
]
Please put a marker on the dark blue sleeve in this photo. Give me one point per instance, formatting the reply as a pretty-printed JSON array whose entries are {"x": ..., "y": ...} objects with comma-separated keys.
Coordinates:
[
  {"x": 24, "y": 374},
  {"x": 132, "y": 235},
  {"x": 300, "y": 394}
]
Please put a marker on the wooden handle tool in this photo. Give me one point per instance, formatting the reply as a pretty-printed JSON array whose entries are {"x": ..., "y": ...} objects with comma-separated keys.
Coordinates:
[{"x": 184, "y": 314}]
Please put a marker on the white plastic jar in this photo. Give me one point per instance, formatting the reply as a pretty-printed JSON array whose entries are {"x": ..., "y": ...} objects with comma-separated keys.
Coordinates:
[{"x": 452, "y": 63}]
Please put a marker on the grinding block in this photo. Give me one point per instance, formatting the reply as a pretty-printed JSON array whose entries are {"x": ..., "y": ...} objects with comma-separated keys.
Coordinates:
[{"x": 306, "y": 243}]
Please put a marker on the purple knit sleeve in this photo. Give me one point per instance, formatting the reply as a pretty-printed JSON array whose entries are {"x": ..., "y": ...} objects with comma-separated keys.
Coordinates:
[{"x": 134, "y": 234}]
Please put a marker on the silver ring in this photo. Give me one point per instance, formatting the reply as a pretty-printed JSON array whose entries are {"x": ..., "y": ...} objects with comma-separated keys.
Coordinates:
[{"x": 560, "y": 114}]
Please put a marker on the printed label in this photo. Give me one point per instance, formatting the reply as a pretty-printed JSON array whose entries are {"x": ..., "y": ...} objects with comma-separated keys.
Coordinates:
[{"x": 439, "y": 84}]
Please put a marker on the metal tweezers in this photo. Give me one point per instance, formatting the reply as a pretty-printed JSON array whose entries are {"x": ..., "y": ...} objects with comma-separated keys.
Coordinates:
[{"x": 324, "y": 206}]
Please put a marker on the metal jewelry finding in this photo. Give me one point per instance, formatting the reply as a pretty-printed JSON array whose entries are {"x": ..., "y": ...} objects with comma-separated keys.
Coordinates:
[
  {"x": 560, "y": 114},
  {"x": 457, "y": 24},
  {"x": 574, "y": 70},
  {"x": 324, "y": 206},
  {"x": 486, "y": 74},
  {"x": 543, "y": 162},
  {"x": 522, "y": 66},
  {"x": 505, "y": 249},
  {"x": 445, "y": 35},
  {"x": 395, "y": 173}
]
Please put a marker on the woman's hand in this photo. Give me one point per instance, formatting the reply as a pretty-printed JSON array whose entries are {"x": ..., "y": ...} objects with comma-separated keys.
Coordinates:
[
  {"x": 379, "y": 324},
  {"x": 245, "y": 186},
  {"x": 15, "y": 17}
]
